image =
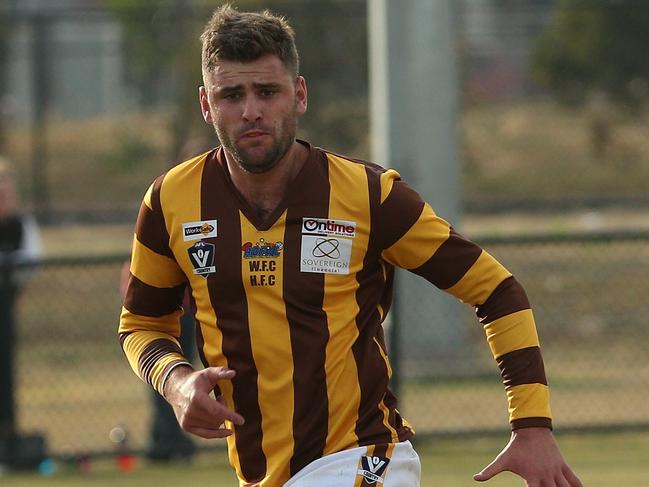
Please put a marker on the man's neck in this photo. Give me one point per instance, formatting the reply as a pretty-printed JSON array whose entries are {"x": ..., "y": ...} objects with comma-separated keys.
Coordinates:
[{"x": 264, "y": 191}]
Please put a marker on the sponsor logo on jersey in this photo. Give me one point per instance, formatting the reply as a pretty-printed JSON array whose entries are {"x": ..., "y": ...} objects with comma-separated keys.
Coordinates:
[
  {"x": 323, "y": 226},
  {"x": 326, "y": 245},
  {"x": 199, "y": 230},
  {"x": 261, "y": 249},
  {"x": 201, "y": 255},
  {"x": 372, "y": 469}
]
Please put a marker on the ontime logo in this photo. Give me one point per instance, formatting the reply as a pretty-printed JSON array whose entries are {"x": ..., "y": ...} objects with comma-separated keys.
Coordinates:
[{"x": 324, "y": 226}]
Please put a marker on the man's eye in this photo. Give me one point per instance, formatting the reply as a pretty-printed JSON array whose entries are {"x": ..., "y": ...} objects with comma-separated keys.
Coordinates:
[
  {"x": 267, "y": 93},
  {"x": 233, "y": 96}
]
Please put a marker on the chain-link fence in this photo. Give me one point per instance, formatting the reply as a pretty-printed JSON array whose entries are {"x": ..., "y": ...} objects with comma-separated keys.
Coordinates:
[
  {"x": 588, "y": 295},
  {"x": 74, "y": 385}
]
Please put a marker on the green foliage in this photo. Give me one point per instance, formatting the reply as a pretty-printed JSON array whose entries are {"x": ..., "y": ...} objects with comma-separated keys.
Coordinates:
[
  {"x": 595, "y": 46},
  {"x": 5, "y": 30},
  {"x": 140, "y": 39},
  {"x": 129, "y": 154},
  {"x": 163, "y": 57}
]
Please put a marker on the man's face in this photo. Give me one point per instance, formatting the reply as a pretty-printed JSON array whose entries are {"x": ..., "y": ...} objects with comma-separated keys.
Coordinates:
[{"x": 254, "y": 108}]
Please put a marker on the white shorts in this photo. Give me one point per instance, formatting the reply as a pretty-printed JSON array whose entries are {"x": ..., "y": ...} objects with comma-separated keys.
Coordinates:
[{"x": 390, "y": 465}]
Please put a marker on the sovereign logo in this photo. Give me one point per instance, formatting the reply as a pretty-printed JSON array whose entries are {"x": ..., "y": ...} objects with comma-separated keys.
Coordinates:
[
  {"x": 201, "y": 255},
  {"x": 372, "y": 468},
  {"x": 199, "y": 230},
  {"x": 326, "y": 245}
]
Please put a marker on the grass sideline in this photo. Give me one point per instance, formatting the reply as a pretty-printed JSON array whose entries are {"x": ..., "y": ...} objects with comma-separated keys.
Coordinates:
[{"x": 601, "y": 460}]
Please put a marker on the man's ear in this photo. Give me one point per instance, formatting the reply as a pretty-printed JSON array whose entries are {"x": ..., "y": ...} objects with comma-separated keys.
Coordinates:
[
  {"x": 301, "y": 95},
  {"x": 205, "y": 105}
]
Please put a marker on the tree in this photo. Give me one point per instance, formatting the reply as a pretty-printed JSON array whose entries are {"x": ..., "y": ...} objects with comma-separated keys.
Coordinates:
[
  {"x": 595, "y": 46},
  {"x": 5, "y": 29},
  {"x": 162, "y": 51}
]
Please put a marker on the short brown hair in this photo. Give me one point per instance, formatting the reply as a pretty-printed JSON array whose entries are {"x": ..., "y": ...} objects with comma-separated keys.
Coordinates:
[{"x": 231, "y": 35}]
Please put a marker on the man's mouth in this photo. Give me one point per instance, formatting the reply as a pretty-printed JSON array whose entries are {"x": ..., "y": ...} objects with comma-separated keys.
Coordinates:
[{"x": 252, "y": 134}]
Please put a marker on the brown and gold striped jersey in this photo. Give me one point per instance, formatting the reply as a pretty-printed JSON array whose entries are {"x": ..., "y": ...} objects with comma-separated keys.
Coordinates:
[{"x": 294, "y": 302}]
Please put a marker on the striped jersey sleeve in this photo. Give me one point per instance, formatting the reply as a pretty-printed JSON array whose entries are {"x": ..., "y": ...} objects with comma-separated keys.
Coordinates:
[
  {"x": 149, "y": 323},
  {"x": 415, "y": 238}
]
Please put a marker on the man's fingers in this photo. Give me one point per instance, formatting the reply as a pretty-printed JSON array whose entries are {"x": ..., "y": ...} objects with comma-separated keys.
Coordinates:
[
  {"x": 197, "y": 412},
  {"x": 215, "y": 374},
  {"x": 229, "y": 415},
  {"x": 220, "y": 407},
  {"x": 210, "y": 411},
  {"x": 571, "y": 477},
  {"x": 490, "y": 470},
  {"x": 210, "y": 433}
]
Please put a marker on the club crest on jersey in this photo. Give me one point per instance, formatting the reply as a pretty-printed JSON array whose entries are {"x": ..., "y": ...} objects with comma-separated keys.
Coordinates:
[
  {"x": 372, "y": 468},
  {"x": 201, "y": 255},
  {"x": 261, "y": 249},
  {"x": 199, "y": 230}
]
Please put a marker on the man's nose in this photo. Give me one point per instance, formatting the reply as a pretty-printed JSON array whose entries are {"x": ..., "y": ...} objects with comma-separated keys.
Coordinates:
[{"x": 251, "y": 109}]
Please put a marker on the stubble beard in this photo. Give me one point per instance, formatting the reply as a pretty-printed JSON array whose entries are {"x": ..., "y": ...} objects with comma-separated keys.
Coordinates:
[{"x": 260, "y": 164}]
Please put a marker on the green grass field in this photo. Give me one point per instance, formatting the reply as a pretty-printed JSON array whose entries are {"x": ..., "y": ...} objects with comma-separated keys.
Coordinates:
[{"x": 601, "y": 460}]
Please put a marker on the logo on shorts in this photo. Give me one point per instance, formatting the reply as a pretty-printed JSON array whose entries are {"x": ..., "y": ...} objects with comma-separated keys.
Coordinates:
[
  {"x": 199, "y": 230},
  {"x": 372, "y": 469},
  {"x": 201, "y": 255}
]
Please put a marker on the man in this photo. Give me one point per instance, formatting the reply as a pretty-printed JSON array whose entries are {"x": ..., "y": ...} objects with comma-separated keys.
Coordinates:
[{"x": 289, "y": 252}]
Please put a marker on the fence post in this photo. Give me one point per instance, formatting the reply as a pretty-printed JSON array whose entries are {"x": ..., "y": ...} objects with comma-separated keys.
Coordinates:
[
  {"x": 41, "y": 87},
  {"x": 16, "y": 451},
  {"x": 394, "y": 345},
  {"x": 7, "y": 339}
]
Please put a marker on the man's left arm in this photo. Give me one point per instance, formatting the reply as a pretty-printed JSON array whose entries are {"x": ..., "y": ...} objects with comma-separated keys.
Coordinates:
[{"x": 428, "y": 246}]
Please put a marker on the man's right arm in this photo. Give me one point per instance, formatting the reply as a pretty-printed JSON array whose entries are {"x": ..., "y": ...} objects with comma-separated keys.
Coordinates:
[
  {"x": 149, "y": 329},
  {"x": 149, "y": 323}
]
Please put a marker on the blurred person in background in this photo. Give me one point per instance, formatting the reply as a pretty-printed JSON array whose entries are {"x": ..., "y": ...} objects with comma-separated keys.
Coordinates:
[
  {"x": 289, "y": 252},
  {"x": 19, "y": 235},
  {"x": 19, "y": 245}
]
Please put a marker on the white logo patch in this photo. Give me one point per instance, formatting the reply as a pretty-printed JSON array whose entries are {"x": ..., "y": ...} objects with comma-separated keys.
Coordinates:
[
  {"x": 326, "y": 245},
  {"x": 199, "y": 230}
]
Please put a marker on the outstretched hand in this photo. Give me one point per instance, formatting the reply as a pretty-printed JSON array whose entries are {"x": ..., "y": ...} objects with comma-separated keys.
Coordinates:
[
  {"x": 533, "y": 454},
  {"x": 197, "y": 412}
]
